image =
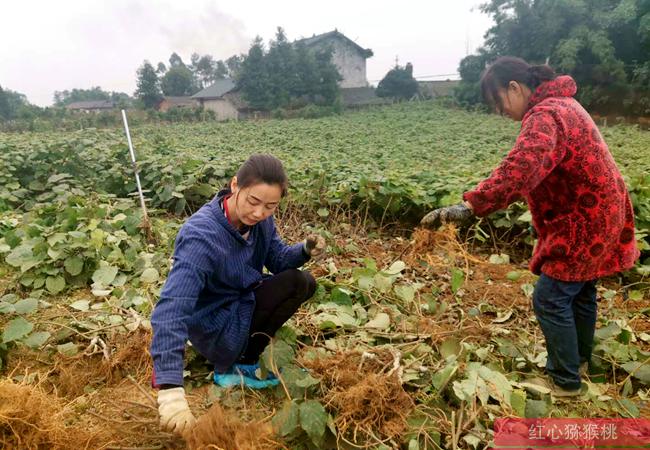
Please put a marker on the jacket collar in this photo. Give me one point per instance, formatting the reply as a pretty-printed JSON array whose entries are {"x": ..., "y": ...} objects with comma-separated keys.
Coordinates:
[
  {"x": 562, "y": 86},
  {"x": 215, "y": 208}
]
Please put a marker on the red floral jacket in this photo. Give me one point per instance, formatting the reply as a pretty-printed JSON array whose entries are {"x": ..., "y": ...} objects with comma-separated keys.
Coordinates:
[{"x": 562, "y": 167}]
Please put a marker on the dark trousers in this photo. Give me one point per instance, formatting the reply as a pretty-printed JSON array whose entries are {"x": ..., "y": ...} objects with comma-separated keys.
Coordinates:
[
  {"x": 566, "y": 311},
  {"x": 276, "y": 299}
]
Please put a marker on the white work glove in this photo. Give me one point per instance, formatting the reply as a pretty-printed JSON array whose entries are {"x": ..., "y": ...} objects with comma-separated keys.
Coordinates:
[
  {"x": 314, "y": 245},
  {"x": 175, "y": 414}
]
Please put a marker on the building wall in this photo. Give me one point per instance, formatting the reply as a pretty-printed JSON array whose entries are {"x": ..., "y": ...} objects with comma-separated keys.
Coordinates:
[
  {"x": 164, "y": 106},
  {"x": 223, "y": 109},
  {"x": 350, "y": 63},
  {"x": 441, "y": 88}
]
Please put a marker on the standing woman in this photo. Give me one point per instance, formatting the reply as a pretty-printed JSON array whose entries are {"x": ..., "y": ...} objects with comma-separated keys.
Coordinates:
[
  {"x": 561, "y": 166},
  {"x": 216, "y": 294}
]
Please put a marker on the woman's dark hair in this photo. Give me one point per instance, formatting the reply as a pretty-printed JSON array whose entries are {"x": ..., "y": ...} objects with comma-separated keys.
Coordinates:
[
  {"x": 508, "y": 68},
  {"x": 262, "y": 168}
]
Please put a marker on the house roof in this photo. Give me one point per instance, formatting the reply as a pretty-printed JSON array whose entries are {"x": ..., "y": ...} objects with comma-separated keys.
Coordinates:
[
  {"x": 330, "y": 35},
  {"x": 92, "y": 104},
  {"x": 180, "y": 101},
  {"x": 216, "y": 90}
]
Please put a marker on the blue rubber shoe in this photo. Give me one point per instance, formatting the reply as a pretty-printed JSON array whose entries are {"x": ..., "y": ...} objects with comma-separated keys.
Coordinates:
[{"x": 244, "y": 374}]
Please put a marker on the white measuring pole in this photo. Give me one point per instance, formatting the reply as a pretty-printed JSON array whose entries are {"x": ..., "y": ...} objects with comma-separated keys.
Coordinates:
[{"x": 135, "y": 168}]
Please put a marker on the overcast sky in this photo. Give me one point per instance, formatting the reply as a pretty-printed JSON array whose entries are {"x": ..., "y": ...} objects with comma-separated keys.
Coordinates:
[{"x": 52, "y": 46}]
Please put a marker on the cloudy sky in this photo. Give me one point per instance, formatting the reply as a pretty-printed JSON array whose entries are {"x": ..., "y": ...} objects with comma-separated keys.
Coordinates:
[{"x": 65, "y": 44}]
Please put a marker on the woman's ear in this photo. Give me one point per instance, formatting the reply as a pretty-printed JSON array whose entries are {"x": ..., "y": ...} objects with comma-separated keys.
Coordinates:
[
  {"x": 514, "y": 86},
  {"x": 233, "y": 185}
]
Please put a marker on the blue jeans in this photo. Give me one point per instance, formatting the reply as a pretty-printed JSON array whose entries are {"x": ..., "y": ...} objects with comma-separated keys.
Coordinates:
[{"x": 566, "y": 311}]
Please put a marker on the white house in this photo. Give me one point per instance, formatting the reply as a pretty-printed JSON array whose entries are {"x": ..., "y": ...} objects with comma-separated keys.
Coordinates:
[
  {"x": 348, "y": 56},
  {"x": 221, "y": 98}
]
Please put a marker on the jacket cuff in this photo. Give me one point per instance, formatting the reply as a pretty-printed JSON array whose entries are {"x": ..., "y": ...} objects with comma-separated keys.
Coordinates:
[
  {"x": 479, "y": 207},
  {"x": 170, "y": 377}
]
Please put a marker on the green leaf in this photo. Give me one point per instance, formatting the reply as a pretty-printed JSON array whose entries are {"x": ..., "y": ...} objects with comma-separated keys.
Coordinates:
[
  {"x": 513, "y": 275},
  {"x": 55, "y": 284},
  {"x": 498, "y": 385},
  {"x": 441, "y": 379},
  {"x": 6, "y": 308},
  {"x": 472, "y": 440},
  {"x": 277, "y": 355},
  {"x": 609, "y": 294},
  {"x": 341, "y": 296},
  {"x": 36, "y": 339},
  {"x": 26, "y": 306},
  {"x": 627, "y": 408},
  {"x": 528, "y": 289},
  {"x": 471, "y": 387},
  {"x": 55, "y": 239},
  {"x": 639, "y": 370},
  {"x": 457, "y": 279},
  {"x": 9, "y": 298},
  {"x": 635, "y": 295},
  {"x": 380, "y": 322},
  {"x": 501, "y": 258},
  {"x": 395, "y": 268},
  {"x": 97, "y": 238},
  {"x": 81, "y": 305},
  {"x": 19, "y": 255},
  {"x": 313, "y": 419},
  {"x": 536, "y": 409},
  {"x": 16, "y": 329},
  {"x": 149, "y": 275},
  {"x": 382, "y": 282},
  {"x": 323, "y": 212},
  {"x": 74, "y": 265},
  {"x": 286, "y": 420},
  {"x": 611, "y": 330},
  {"x": 68, "y": 349},
  {"x": 518, "y": 402},
  {"x": 450, "y": 347},
  {"x": 105, "y": 275},
  {"x": 307, "y": 381},
  {"x": 405, "y": 291}
]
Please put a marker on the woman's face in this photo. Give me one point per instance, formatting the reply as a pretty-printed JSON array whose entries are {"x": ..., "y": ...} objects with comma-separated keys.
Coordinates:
[
  {"x": 255, "y": 203},
  {"x": 514, "y": 100}
]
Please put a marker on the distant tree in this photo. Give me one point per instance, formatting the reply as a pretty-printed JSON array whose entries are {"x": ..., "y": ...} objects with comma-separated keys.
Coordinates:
[
  {"x": 121, "y": 99},
  {"x": 288, "y": 75},
  {"x": 203, "y": 70},
  {"x": 254, "y": 77},
  {"x": 148, "y": 86},
  {"x": 307, "y": 72},
  {"x": 14, "y": 105},
  {"x": 328, "y": 77},
  {"x": 234, "y": 64},
  {"x": 178, "y": 81},
  {"x": 62, "y": 98},
  {"x": 468, "y": 92},
  {"x": 194, "y": 60},
  {"x": 281, "y": 69},
  {"x": 220, "y": 71},
  {"x": 5, "y": 110},
  {"x": 398, "y": 83},
  {"x": 603, "y": 44},
  {"x": 161, "y": 68},
  {"x": 175, "y": 61}
]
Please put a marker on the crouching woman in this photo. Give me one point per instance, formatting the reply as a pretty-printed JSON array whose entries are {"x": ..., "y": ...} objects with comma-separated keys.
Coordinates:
[{"x": 216, "y": 294}]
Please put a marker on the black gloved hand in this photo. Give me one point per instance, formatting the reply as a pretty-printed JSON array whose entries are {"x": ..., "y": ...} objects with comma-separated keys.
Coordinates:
[{"x": 458, "y": 214}]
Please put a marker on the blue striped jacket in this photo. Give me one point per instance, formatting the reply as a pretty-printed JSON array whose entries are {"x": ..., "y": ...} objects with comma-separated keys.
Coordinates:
[{"x": 208, "y": 296}]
